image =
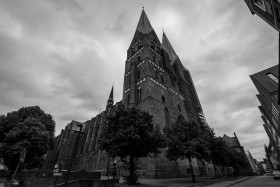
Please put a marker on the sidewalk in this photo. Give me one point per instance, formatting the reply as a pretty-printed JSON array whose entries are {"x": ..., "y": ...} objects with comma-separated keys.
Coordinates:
[
  {"x": 185, "y": 182},
  {"x": 230, "y": 182}
]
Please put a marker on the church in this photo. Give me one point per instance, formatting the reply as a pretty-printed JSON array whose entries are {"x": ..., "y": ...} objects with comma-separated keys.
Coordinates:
[{"x": 156, "y": 81}]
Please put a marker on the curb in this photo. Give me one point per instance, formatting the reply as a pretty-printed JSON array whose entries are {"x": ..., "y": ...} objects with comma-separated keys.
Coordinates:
[{"x": 240, "y": 181}]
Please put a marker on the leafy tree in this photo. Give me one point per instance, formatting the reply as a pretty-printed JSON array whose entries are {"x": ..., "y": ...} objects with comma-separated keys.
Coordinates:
[
  {"x": 130, "y": 134},
  {"x": 187, "y": 139},
  {"x": 28, "y": 128}
]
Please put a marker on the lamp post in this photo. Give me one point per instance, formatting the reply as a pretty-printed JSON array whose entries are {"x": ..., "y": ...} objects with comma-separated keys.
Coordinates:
[{"x": 74, "y": 152}]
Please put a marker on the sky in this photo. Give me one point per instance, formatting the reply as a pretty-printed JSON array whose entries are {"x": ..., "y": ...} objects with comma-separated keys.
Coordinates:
[{"x": 65, "y": 55}]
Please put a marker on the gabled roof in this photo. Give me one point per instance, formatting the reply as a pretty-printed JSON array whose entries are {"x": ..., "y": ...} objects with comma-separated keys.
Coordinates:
[
  {"x": 168, "y": 48},
  {"x": 144, "y": 25}
]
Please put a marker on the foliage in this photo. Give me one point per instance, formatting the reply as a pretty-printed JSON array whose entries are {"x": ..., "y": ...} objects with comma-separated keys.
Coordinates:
[
  {"x": 30, "y": 128},
  {"x": 130, "y": 134},
  {"x": 186, "y": 139}
]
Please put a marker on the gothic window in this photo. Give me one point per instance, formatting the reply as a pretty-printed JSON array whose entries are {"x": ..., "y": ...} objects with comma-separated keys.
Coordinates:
[
  {"x": 156, "y": 75},
  {"x": 137, "y": 73},
  {"x": 154, "y": 57},
  {"x": 179, "y": 108},
  {"x": 139, "y": 93},
  {"x": 133, "y": 51},
  {"x": 139, "y": 46},
  {"x": 159, "y": 62},
  {"x": 167, "y": 118},
  {"x": 162, "y": 78},
  {"x": 128, "y": 98},
  {"x": 172, "y": 82},
  {"x": 163, "y": 99},
  {"x": 138, "y": 58},
  {"x": 152, "y": 46}
]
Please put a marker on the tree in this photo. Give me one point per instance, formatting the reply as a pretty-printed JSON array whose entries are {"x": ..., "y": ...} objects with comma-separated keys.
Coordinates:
[
  {"x": 28, "y": 128},
  {"x": 130, "y": 134},
  {"x": 187, "y": 139}
]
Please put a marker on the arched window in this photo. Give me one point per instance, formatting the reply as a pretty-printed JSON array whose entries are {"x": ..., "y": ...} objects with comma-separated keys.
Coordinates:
[
  {"x": 133, "y": 51},
  {"x": 163, "y": 99},
  {"x": 138, "y": 58},
  {"x": 139, "y": 46},
  {"x": 128, "y": 98},
  {"x": 139, "y": 93},
  {"x": 162, "y": 78},
  {"x": 179, "y": 108},
  {"x": 167, "y": 118},
  {"x": 156, "y": 75},
  {"x": 154, "y": 57},
  {"x": 137, "y": 73}
]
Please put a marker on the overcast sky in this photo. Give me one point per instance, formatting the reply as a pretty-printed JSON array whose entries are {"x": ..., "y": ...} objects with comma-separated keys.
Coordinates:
[{"x": 64, "y": 56}]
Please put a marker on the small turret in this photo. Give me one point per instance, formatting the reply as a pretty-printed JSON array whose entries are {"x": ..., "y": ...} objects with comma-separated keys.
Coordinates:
[{"x": 110, "y": 101}]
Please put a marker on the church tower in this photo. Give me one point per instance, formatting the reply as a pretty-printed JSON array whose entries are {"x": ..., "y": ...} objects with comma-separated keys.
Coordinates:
[{"x": 155, "y": 79}]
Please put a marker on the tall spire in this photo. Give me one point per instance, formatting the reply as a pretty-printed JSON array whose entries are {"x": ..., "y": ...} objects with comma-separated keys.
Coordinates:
[
  {"x": 144, "y": 24},
  {"x": 110, "y": 101},
  {"x": 168, "y": 48}
]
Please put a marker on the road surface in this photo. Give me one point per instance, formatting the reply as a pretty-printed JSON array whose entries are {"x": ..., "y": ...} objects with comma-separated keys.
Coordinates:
[{"x": 261, "y": 181}]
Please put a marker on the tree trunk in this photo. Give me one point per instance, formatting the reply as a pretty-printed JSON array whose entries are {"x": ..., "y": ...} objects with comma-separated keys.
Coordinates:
[
  {"x": 228, "y": 171},
  {"x": 131, "y": 170},
  {"x": 215, "y": 171},
  {"x": 191, "y": 167}
]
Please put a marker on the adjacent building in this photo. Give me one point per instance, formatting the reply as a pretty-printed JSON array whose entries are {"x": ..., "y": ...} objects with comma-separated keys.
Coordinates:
[
  {"x": 252, "y": 163},
  {"x": 266, "y": 82},
  {"x": 268, "y": 10},
  {"x": 156, "y": 81},
  {"x": 233, "y": 143}
]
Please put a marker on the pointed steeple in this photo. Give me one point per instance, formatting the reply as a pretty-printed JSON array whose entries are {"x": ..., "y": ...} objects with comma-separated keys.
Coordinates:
[
  {"x": 168, "y": 48},
  {"x": 144, "y": 24},
  {"x": 110, "y": 101}
]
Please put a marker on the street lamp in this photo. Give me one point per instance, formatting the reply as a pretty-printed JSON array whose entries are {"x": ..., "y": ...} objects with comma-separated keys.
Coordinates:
[{"x": 74, "y": 152}]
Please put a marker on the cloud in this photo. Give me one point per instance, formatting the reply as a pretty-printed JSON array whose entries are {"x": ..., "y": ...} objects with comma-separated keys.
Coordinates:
[{"x": 65, "y": 55}]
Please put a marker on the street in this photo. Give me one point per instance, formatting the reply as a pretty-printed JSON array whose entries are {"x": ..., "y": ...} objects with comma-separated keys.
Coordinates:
[{"x": 261, "y": 181}]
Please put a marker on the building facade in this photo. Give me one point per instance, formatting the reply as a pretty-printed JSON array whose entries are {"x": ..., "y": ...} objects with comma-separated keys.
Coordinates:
[
  {"x": 234, "y": 144},
  {"x": 155, "y": 81},
  {"x": 268, "y": 10},
  {"x": 266, "y": 82}
]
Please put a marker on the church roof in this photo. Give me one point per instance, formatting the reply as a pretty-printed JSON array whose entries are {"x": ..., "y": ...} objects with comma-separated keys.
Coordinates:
[
  {"x": 166, "y": 45},
  {"x": 144, "y": 24}
]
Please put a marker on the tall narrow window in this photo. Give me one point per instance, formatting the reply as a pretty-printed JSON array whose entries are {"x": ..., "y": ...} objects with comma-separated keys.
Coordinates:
[
  {"x": 128, "y": 98},
  {"x": 139, "y": 46},
  {"x": 139, "y": 93},
  {"x": 152, "y": 46},
  {"x": 137, "y": 73},
  {"x": 167, "y": 118},
  {"x": 163, "y": 99},
  {"x": 159, "y": 62},
  {"x": 154, "y": 57},
  {"x": 162, "y": 78},
  {"x": 138, "y": 58},
  {"x": 273, "y": 77},
  {"x": 133, "y": 51},
  {"x": 156, "y": 75}
]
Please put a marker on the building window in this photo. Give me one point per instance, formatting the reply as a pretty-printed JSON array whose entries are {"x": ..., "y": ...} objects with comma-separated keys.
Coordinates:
[
  {"x": 156, "y": 75},
  {"x": 167, "y": 118},
  {"x": 260, "y": 4},
  {"x": 273, "y": 77},
  {"x": 152, "y": 46},
  {"x": 133, "y": 51},
  {"x": 137, "y": 73},
  {"x": 159, "y": 62},
  {"x": 128, "y": 98},
  {"x": 139, "y": 46},
  {"x": 179, "y": 108},
  {"x": 163, "y": 99},
  {"x": 139, "y": 93},
  {"x": 154, "y": 57},
  {"x": 162, "y": 78},
  {"x": 138, "y": 58}
]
